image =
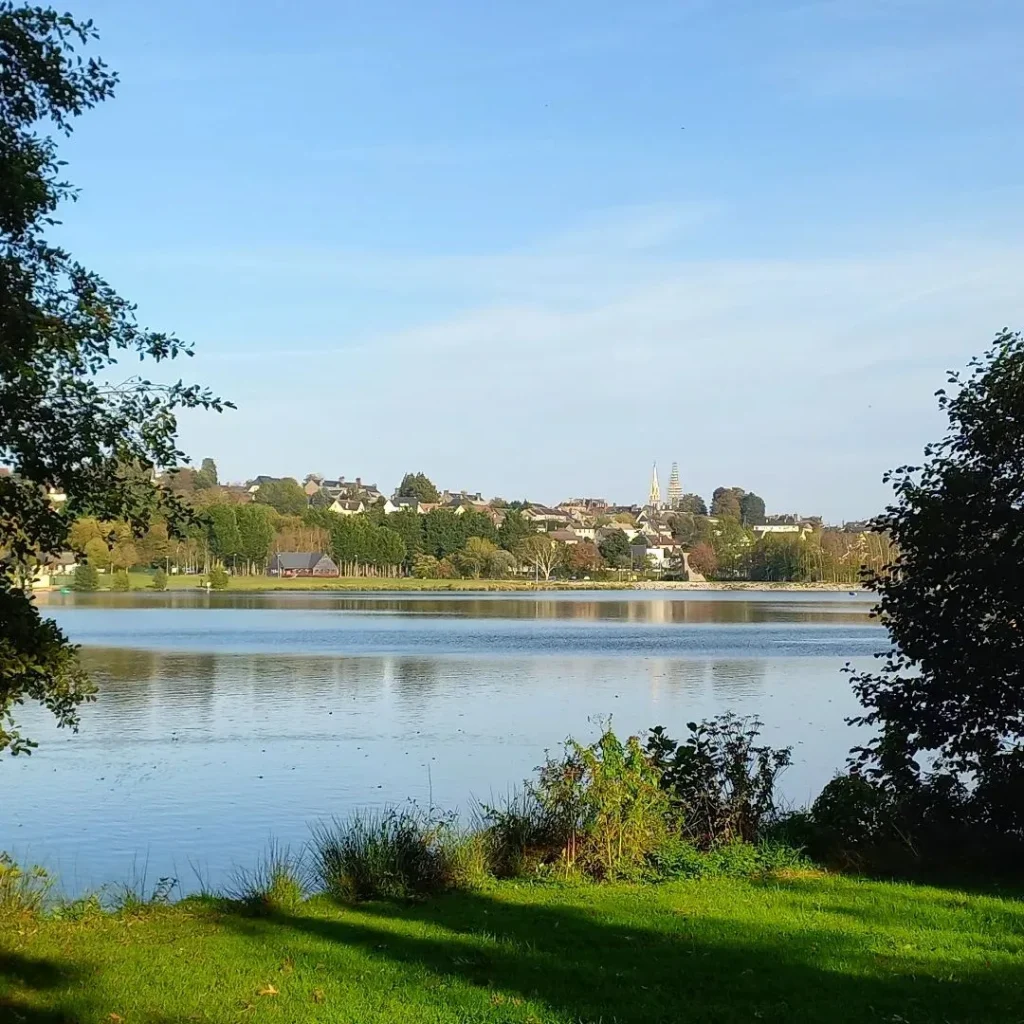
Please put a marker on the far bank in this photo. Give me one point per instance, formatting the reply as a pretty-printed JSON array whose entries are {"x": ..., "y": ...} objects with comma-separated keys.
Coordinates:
[{"x": 270, "y": 584}]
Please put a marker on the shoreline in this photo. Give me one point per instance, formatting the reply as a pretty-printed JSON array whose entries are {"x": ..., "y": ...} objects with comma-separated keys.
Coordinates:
[{"x": 141, "y": 582}]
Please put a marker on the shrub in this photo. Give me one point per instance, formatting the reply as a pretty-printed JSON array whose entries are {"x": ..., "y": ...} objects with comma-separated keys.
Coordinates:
[
  {"x": 936, "y": 825},
  {"x": 851, "y": 811},
  {"x": 86, "y": 578},
  {"x": 22, "y": 890},
  {"x": 720, "y": 782},
  {"x": 424, "y": 567},
  {"x": 391, "y": 854},
  {"x": 278, "y": 882},
  {"x": 120, "y": 582},
  {"x": 160, "y": 580},
  {"x": 606, "y": 804},
  {"x": 465, "y": 856},
  {"x": 218, "y": 578},
  {"x": 597, "y": 810}
]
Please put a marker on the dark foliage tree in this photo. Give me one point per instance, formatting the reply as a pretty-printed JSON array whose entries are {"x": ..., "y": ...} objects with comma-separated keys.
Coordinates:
[
  {"x": 255, "y": 533},
  {"x": 514, "y": 530},
  {"x": 418, "y": 486},
  {"x": 752, "y": 511},
  {"x": 691, "y": 530},
  {"x": 442, "y": 533},
  {"x": 206, "y": 475},
  {"x": 408, "y": 524},
  {"x": 86, "y": 578},
  {"x": 478, "y": 524},
  {"x": 950, "y": 691},
  {"x": 725, "y": 502},
  {"x": 284, "y": 496},
  {"x": 692, "y": 503},
  {"x": 65, "y": 420},
  {"x": 615, "y": 549}
]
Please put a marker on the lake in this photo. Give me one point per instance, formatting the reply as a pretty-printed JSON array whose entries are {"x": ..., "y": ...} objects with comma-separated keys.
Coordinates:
[{"x": 227, "y": 719}]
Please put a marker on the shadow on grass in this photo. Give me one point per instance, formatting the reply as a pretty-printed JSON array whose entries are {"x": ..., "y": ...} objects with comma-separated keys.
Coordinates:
[
  {"x": 24, "y": 975},
  {"x": 917, "y": 902},
  {"x": 584, "y": 965},
  {"x": 23, "y": 979}
]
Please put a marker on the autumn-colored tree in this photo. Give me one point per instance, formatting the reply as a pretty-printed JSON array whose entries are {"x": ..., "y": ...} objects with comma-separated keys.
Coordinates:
[
  {"x": 585, "y": 557},
  {"x": 702, "y": 559}
]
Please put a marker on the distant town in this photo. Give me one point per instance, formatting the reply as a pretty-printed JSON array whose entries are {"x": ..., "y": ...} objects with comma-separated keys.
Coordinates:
[{"x": 323, "y": 526}]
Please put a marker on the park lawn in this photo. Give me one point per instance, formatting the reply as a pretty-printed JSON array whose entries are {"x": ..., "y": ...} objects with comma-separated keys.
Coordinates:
[{"x": 800, "y": 948}]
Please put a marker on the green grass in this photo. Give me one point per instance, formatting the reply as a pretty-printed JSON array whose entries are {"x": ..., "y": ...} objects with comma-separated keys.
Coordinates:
[
  {"x": 143, "y": 581},
  {"x": 802, "y": 948}
]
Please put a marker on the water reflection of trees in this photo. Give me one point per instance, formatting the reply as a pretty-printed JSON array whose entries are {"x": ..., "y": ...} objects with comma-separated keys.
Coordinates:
[
  {"x": 132, "y": 678},
  {"x": 633, "y": 609}
]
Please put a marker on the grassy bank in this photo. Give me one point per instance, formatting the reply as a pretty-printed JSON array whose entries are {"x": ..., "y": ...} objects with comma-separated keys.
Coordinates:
[
  {"x": 801, "y": 947},
  {"x": 270, "y": 583},
  {"x": 256, "y": 584}
]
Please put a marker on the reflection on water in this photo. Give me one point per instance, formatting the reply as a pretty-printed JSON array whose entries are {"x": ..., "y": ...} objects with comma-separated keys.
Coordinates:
[
  {"x": 611, "y": 606},
  {"x": 199, "y": 749}
]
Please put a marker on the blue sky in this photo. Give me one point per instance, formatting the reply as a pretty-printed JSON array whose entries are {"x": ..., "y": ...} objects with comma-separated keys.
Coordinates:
[{"x": 530, "y": 248}]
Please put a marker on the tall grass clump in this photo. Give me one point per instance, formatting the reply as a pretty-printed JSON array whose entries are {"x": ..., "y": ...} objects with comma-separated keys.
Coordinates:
[
  {"x": 277, "y": 883},
  {"x": 23, "y": 891},
  {"x": 389, "y": 854},
  {"x": 519, "y": 834}
]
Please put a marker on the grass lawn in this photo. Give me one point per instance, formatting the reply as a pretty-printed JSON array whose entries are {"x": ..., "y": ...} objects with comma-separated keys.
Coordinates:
[
  {"x": 143, "y": 581},
  {"x": 802, "y": 948}
]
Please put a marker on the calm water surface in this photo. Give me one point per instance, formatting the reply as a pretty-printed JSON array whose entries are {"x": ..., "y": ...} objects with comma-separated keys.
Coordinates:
[{"x": 226, "y": 719}]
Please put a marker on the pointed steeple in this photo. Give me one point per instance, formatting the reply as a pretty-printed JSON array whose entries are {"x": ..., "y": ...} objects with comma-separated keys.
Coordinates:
[
  {"x": 654, "y": 498},
  {"x": 675, "y": 488}
]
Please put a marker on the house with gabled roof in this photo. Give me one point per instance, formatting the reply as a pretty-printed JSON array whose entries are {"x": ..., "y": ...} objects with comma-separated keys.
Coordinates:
[
  {"x": 345, "y": 507},
  {"x": 302, "y": 563}
]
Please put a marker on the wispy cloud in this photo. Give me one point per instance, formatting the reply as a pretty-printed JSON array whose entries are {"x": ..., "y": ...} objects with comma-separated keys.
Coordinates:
[{"x": 824, "y": 363}]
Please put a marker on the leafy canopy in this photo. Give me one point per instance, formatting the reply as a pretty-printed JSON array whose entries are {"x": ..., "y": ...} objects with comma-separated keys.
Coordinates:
[
  {"x": 420, "y": 487},
  {"x": 70, "y": 417},
  {"x": 951, "y": 686},
  {"x": 284, "y": 496}
]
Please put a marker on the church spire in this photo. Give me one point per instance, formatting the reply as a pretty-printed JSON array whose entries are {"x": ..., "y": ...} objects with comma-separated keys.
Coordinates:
[
  {"x": 654, "y": 498},
  {"x": 675, "y": 488}
]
